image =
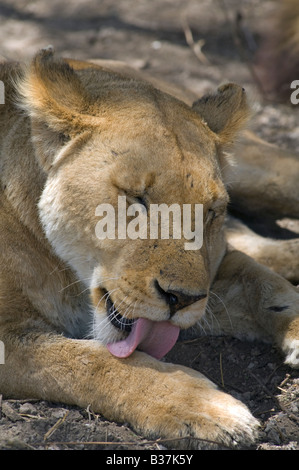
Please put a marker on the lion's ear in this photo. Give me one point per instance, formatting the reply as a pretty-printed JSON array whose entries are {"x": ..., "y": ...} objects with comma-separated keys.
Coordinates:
[
  {"x": 53, "y": 96},
  {"x": 225, "y": 112}
]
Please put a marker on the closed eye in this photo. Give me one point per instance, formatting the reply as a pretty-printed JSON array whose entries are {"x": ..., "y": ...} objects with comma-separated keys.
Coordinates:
[
  {"x": 136, "y": 198},
  {"x": 212, "y": 214},
  {"x": 141, "y": 200}
]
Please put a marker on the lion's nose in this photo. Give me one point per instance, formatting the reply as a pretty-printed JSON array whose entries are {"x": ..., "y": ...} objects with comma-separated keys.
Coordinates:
[{"x": 178, "y": 299}]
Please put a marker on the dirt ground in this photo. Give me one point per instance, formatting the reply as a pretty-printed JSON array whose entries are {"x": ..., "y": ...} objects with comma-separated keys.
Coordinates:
[{"x": 151, "y": 35}]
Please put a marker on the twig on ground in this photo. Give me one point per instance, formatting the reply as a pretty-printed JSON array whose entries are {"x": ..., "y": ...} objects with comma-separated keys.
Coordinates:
[
  {"x": 197, "y": 46},
  {"x": 56, "y": 425},
  {"x": 145, "y": 442}
]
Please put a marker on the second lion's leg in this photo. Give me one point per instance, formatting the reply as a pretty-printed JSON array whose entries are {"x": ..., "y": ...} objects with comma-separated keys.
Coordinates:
[
  {"x": 265, "y": 178},
  {"x": 248, "y": 300},
  {"x": 279, "y": 255}
]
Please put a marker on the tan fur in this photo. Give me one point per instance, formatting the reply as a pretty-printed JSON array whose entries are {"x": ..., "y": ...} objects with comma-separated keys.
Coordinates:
[
  {"x": 272, "y": 172},
  {"x": 279, "y": 255},
  {"x": 72, "y": 138}
]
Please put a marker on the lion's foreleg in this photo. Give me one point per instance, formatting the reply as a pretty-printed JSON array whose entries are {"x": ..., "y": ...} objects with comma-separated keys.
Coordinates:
[{"x": 156, "y": 398}]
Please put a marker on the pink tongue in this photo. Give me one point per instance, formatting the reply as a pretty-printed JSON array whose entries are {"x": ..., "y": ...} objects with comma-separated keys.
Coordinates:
[{"x": 154, "y": 338}]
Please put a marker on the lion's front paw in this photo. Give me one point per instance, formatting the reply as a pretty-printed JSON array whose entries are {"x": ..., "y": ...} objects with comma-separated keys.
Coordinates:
[
  {"x": 292, "y": 353},
  {"x": 285, "y": 327},
  {"x": 279, "y": 316},
  {"x": 290, "y": 343},
  {"x": 194, "y": 413},
  {"x": 230, "y": 423}
]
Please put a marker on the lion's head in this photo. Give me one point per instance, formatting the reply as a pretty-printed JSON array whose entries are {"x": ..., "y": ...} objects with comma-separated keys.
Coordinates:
[{"x": 102, "y": 138}]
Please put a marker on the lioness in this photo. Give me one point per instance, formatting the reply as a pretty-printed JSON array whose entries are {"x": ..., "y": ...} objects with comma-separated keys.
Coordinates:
[{"x": 85, "y": 320}]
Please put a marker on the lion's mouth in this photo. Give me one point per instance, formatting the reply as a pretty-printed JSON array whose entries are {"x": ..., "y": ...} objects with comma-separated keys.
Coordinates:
[
  {"x": 117, "y": 320},
  {"x": 153, "y": 337}
]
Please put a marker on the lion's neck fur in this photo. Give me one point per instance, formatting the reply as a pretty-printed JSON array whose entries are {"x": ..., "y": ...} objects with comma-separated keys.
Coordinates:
[
  {"x": 37, "y": 271},
  {"x": 17, "y": 157}
]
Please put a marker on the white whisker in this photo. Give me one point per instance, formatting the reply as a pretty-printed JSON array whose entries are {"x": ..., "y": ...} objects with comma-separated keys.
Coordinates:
[
  {"x": 73, "y": 283},
  {"x": 225, "y": 308},
  {"x": 107, "y": 279}
]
